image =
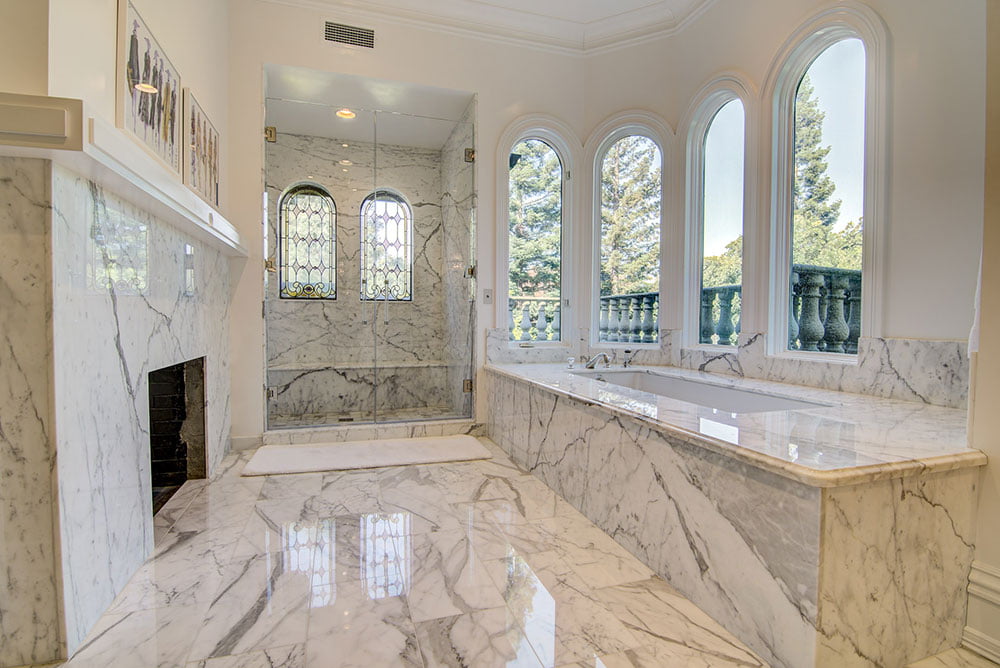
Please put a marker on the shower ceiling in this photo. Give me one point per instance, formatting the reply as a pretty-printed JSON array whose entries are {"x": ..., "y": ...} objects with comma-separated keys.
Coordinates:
[{"x": 578, "y": 25}]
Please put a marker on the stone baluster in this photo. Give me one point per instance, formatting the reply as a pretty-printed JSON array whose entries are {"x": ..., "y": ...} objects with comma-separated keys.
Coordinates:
[
  {"x": 511, "y": 305},
  {"x": 810, "y": 325},
  {"x": 854, "y": 314},
  {"x": 525, "y": 322},
  {"x": 836, "y": 329},
  {"x": 824, "y": 302},
  {"x": 648, "y": 329},
  {"x": 623, "y": 319},
  {"x": 603, "y": 332},
  {"x": 613, "y": 322},
  {"x": 635, "y": 320},
  {"x": 542, "y": 324},
  {"x": 556, "y": 322},
  {"x": 738, "y": 294},
  {"x": 794, "y": 303},
  {"x": 725, "y": 327},
  {"x": 707, "y": 326}
]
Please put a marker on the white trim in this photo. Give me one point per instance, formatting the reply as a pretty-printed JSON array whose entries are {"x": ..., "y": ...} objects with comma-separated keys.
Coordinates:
[
  {"x": 984, "y": 582},
  {"x": 982, "y": 644},
  {"x": 241, "y": 443},
  {"x": 844, "y": 20},
  {"x": 564, "y": 141},
  {"x": 618, "y": 126},
  {"x": 714, "y": 95}
]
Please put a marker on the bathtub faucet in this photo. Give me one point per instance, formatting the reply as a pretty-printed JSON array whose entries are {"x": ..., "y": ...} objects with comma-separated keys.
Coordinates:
[
  {"x": 592, "y": 362},
  {"x": 627, "y": 357}
]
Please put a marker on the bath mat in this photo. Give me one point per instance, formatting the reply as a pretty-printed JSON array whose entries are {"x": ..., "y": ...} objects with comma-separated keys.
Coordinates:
[{"x": 278, "y": 459}]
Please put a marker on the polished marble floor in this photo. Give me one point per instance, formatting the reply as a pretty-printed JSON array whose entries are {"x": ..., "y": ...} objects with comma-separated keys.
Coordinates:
[{"x": 461, "y": 564}]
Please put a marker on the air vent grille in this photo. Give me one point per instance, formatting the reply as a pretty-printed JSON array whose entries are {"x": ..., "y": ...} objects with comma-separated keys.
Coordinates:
[{"x": 344, "y": 34}]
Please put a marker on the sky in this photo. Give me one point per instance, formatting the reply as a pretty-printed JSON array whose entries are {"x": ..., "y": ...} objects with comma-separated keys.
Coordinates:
[{"x": 838, "y": 80}]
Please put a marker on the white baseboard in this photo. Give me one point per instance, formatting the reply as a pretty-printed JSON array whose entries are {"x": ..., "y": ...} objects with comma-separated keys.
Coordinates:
[
  {"x": 982, "y": 631},
  {"x": 245, "y": 443}
]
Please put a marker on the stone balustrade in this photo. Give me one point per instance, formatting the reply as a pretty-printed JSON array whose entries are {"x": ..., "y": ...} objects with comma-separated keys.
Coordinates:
[
  {"x": 824, "y": 313},
  {"x": 630, "y": 318},
  {"x": 533, "y": 319}
]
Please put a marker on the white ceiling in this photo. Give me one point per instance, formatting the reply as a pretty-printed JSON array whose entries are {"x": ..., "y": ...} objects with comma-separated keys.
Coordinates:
[
  {"x": 304, "y": 101},
  {"x": 579, "y": 25}
]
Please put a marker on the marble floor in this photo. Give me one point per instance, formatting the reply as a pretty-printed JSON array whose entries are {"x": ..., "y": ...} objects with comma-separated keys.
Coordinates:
[{"x": 459, "y": 564}]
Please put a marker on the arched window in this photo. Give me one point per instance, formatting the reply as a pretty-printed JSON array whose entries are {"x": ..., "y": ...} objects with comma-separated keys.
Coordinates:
[
  {"x": 828, "y": 95},
  {"x": 386, "y": 247},
  {"x": 307, "y": 243},
  {"x": 718, "y": 206},
  {"x": 535, "y": 240},
  {"x": 630, "y": 198}
]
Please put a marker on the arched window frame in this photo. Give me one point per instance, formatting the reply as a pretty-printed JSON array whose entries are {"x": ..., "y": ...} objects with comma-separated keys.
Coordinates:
[
  {"x": 847, "y": 20},
  {"x": 288, "y": 193},
  {"x": 561, "y": 138},
  {"x": 399, "y": 198},
  {"x": 716, "y": 94},
  {"x": 619, "y": 126}
]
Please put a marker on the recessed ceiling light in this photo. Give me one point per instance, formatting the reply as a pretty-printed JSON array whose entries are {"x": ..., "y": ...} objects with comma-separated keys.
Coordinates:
[
  {"x": 345, "y": 145},
  {"x": 345, "y": 113},
  {"x": 347, "y": 162},
  {"x": 146, "y": 88},
  {"x": 344, "y": 169}
]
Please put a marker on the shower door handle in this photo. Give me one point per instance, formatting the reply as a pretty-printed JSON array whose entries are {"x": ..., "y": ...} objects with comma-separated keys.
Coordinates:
[{"x": 385, "y": 297}]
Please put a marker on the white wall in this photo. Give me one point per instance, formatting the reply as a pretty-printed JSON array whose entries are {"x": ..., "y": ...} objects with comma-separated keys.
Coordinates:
[
  {"x": 82, "y": 54},
  {"x": 511, "y": 81},
  {"x": 23, "y": 40},
  {"x": 936, "y": 72}
]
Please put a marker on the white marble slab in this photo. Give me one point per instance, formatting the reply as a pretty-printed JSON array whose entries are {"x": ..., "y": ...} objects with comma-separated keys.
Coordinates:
[{"x": 848, "y": 439}]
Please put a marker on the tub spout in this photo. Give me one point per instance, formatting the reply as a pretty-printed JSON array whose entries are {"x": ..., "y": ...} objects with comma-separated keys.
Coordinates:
[{"x": 592, "y": 362}]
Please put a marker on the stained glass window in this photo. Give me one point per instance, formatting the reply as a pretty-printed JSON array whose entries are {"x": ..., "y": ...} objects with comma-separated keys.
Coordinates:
[
  {"x": 386, "y": 247},
  {"x": 307, "y": 244}
]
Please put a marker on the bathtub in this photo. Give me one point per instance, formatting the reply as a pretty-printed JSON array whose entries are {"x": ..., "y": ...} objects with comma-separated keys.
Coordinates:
[{"x": 720, "y": 397}]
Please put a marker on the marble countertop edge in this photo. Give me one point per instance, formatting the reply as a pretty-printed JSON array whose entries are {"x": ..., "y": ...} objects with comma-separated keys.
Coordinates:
[{"x": 872, "y": 469}]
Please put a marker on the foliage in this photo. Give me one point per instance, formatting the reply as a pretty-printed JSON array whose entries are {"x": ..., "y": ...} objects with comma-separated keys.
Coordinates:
[
  {"x": 535, "y": 202},
  {"x": 630, "y": 217},
  {"x": 815, "y": 239}
]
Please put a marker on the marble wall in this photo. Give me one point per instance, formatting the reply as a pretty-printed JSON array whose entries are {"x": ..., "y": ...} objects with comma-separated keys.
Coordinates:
[
  {"x": 862, "y": 575},
  {"x": 931, "y": 372},
  {"x": 29, "y": 595},
  {"x": 305, "y": 337},
  {"x": 110, "y": 301}
]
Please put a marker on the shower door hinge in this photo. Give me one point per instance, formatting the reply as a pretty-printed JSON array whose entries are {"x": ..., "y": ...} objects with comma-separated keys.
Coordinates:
[
  {"x": 470, "y": 155},
  {"x": 270, "y": 133},
  {"x": 467, "y": 385},
  {"x": 268, "y": 392},
  {"x": 470, "y": 271}
]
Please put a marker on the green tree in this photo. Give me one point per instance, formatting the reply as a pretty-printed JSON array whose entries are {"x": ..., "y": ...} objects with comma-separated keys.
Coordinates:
[
  {"x": 815, "y": 240},
  {"x": 630, "y": 217},
  {"x": 535, "y": 219}
]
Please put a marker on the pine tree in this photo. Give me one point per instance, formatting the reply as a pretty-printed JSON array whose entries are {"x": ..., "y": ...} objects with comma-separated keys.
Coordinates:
[
  {"x": 535, "y": 220},
  {"x": 812, "y": 187},
  {"x": 630, "y": 217}
]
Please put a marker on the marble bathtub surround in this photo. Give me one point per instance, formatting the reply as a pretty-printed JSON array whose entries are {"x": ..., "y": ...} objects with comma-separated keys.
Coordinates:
[
  {"x": 347, "y": 357},
  {"x": 930, "y": 372},
  {"x": 108, "y": 302},
  {"x": 766, "y": 520},
  {"x": 470, "y": 563}
]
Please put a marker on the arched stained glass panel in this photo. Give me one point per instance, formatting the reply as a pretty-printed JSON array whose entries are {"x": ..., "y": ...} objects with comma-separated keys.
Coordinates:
[
  {"x": 386, "y": 247},
  {"x": 307, "y": 244}
]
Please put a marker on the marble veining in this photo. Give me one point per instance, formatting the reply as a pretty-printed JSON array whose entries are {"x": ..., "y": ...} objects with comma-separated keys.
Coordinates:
[
  {"x": 768, "y": 547},
  {"x": 121, "y": 308},
  {"x": 457, "y": 564},
  {"x": 927, "y": 371},
  {"x": 845, "y": 439}
]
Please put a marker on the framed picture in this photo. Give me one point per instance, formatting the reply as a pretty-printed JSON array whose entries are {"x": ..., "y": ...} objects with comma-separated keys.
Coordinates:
[
  {"x": 149, "y": 89},
  {"x": 201, "y": 151}
]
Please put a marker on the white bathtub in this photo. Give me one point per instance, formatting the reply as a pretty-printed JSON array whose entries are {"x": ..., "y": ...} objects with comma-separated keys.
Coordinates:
[{"x": 719, "y": 397}]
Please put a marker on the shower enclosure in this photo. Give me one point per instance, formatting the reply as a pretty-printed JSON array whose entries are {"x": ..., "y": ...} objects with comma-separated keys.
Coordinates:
[{"x": 369, "y": 285}]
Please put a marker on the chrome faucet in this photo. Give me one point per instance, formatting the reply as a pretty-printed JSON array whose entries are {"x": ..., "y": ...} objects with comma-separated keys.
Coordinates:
[
  {"x": 592, "y": 362},
  {"x": 627, "y": 356}
]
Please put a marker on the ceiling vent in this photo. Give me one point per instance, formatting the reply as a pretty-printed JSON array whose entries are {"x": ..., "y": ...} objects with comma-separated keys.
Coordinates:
[{"x": 353, "y": 35}]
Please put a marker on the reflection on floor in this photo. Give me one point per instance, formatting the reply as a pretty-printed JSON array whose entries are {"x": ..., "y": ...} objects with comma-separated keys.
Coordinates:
[
  {"x": 279, "y": 421},
  {"x": 461, "y": 564}
]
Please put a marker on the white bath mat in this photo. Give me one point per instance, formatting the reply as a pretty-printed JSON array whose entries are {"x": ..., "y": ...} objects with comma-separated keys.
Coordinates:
[{"x": 278, "y": 459}]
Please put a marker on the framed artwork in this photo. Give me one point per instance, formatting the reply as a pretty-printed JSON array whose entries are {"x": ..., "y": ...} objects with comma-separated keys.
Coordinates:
[
  {"x": 149, "y": 89},
  {"x": 201, "y": 151}
]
